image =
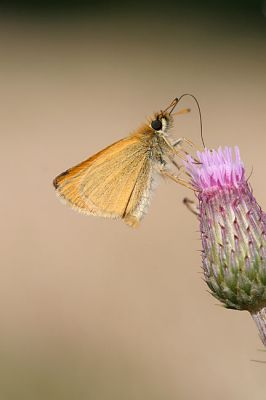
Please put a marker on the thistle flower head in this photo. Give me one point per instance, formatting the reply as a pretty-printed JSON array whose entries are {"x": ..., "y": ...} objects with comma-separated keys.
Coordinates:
[
  {"x": 232, "y": 231},
  {"x": 216, "y": 170}
]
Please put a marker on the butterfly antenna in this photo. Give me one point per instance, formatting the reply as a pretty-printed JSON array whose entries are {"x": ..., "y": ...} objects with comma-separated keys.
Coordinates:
[
  {"x": 172, "y": 106},
  {"x": 200, "y": 117}
]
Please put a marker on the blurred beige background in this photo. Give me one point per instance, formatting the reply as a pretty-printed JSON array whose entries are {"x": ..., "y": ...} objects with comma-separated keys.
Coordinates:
[{"x": 89, "y": 308}]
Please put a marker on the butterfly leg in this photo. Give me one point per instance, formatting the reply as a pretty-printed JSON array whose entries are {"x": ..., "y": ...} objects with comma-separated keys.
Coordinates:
[
  {"x": 190, "y": 204},
  {"x": 176, "y": 179},
  {"x": 182, "y": 140},
  {"x": 179, "y": 151},
  {"x": 178, "y": 166},
  {"x": 174, "y": 150},
  {"x": 179, "y": 143},
  {"x": 181, "y": 168}
]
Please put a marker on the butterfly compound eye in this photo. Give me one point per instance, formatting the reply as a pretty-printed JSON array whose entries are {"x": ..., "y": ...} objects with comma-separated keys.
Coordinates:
[{"x": 156, "y": 124}]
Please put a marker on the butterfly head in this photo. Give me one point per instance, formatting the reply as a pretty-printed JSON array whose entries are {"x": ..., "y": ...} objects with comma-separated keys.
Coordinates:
[{"x": 162, "y": 121}]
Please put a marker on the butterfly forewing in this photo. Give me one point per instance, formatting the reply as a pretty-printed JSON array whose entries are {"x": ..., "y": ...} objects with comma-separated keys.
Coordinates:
[{"x": 112, "y": 182}]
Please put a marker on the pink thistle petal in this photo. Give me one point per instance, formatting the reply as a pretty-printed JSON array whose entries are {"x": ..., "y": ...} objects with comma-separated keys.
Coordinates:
[{"x": 216, "y": 169}]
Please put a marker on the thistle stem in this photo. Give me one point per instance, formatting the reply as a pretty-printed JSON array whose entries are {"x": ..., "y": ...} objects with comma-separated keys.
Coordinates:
[{"x": 260, "y": 320}]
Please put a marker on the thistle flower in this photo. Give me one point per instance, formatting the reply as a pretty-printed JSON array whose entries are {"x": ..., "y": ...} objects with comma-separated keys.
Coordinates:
[{"x": 233, "y": 233}]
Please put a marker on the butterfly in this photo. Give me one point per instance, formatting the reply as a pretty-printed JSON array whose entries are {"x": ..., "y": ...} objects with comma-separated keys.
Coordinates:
[{"x": 119, "y": 180}]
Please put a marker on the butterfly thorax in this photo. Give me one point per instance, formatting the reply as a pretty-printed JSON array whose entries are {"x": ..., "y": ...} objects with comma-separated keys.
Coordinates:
[{"x": 155, "y": 143}]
